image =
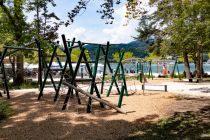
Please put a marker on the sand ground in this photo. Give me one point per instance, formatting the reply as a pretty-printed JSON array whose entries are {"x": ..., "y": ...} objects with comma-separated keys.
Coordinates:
[{"x": 44, "y": 119}]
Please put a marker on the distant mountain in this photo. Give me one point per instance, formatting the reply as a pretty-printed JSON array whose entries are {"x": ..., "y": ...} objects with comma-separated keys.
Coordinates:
[{"x": 137, "y": 47}]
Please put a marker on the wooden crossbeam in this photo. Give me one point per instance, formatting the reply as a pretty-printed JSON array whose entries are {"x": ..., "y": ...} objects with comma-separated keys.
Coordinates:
[
  {"x": 95, "y": 98},
  {"x": 21, "y": 48}
]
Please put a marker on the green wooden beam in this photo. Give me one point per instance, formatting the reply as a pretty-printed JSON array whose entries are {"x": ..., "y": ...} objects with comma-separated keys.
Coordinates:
[{"x": 115, "y": 74}]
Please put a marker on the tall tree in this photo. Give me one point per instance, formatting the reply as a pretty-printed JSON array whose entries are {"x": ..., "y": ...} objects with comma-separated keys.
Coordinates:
[
  {"x": 150, "y": 33},
  {"x": 15, "y": 24},
  {"x": 45, "y": 24},
  {"x": 185, "y": 27}
]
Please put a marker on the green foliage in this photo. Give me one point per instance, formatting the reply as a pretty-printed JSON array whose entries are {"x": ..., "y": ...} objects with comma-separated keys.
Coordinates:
[
  {"x": 5, "y": 110},
  {"x": 116, "y": 56},
  {"x": 25, "y": 85},
  {"x": 127, "y": 55},
  {"x": 152, "y": 56},
  {"x": 181, "y": 59},
  {"x": 149, "y": 32},
  {"x": 182, "y": 125},
  {"x": 11, "y": 17},
  {"x": 76, "y": 53},
  {"x": 180, "y": 25},
  {"x": 42, "y": 25},
  {"x": 179, "y": 28}
]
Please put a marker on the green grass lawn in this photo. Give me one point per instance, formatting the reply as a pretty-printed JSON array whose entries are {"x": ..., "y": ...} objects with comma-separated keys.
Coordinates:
[{"x": 181, "y": 126}]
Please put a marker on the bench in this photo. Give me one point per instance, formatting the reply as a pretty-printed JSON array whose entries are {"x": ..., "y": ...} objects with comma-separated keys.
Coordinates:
[
  {"x": 193, "y": 80},
  {"x": 163, "y": 87}
]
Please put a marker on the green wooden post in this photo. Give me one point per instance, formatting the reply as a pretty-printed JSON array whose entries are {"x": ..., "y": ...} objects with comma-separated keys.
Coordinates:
[
  {"x": 3, "y": 70},
  {"x": 40, "y": 63},
  {"x": 178, "y": 70},
  {"x": 172, "y": 74},
  {"x": 5, "y": 80},
  {"x": 115, "y": 74},
  {"x": 81, "y": 72},
  {"x": 150, "y": 69},
  {"x": 59, "y": 62},
  {"x": 3, "y": 55},
  {"x": 91, "y": 75},
  {"x": 141, "y": 74},
  {"x": 124, "y": 80},
  {"x": 74, "y": 74},
  {"x": 137, "y": 71},
  {"x": 148, "y": 64},
  {"x": 48, "y": 71},
  {"x": 121, "y": 96},
  {"x": 89, "y": 105},
  {"x": 142, "y": 67},
  {"x": 137, "y": 67},
  {"x": 111, "y": 71},
  {"x": 105, "y": 62},
  {"x": 67, "y": 51},
  {"x": 51, "y": 77}
]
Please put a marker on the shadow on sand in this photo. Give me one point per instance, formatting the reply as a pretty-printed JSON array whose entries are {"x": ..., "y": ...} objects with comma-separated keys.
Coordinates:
[{"x": 27, "y": 124}]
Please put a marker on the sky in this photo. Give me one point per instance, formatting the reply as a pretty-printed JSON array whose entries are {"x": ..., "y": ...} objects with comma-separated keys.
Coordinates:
[{"x": 89, "y": 27}]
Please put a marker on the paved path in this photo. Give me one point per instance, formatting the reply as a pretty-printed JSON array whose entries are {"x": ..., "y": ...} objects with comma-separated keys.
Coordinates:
[
  {"x": 184, "y": 88},
  {"x": 193, "y": 89}
]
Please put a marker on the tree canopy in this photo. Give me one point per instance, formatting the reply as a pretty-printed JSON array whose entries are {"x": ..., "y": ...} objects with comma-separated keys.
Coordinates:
[{"x": 180, "y": 28}]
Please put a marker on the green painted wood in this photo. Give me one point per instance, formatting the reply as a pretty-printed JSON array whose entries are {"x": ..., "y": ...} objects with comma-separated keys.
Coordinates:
[
  {"x": 89, "y": 105},
  {"x": 124, "y": 80},
  {"x": 121, "y": 96},
  {"x": 3, "y": 55},
  {"x": 67, "y": 50},
  {"x": 5, "y": 81},
  {"x": 40, "y": 63},
  {"x": 74, "y": 74},
  {"x": 4, "y": 73},
  {"x": 91, "y": 75},
  {"x": 150, "y": 70},
  {"x": 115, "y": 74},
  {"x": 47, "y": 73},
  {"x": 105, "y": 63},
  {"x": 178, "y": 70},
  {"x": 173, "y": 71},
  {"x": 111, "y": 71},
  {"x": 50, "y": 75}
]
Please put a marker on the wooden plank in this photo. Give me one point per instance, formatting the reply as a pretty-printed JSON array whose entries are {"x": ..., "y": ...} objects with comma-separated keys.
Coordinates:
[
  {"x": 164, "y": 86},
  {"x": 22, "y": 48},
  {"x": 95, "y": 98}
]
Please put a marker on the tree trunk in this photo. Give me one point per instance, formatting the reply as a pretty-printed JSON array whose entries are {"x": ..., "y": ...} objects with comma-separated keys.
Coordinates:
[
  {"x": 16, "y": 21},
  {"x": 186, "y": 64},
  {"x": 38, "y": 20},
  {"x": 201, "y": 64},
  {"x": 12, "y": 61},
  {"x": 198, "y": 64},
  {"x": 19, "y": 77}
]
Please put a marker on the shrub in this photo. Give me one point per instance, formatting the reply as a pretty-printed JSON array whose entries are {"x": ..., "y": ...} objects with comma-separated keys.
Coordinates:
[{"x": 5, "y": 110}]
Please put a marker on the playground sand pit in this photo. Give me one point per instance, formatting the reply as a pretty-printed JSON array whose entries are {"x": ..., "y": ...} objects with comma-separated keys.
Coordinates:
[{"x": 44, "y": 119}]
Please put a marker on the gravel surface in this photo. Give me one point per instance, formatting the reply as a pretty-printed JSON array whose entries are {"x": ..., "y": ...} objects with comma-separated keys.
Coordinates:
[{"x": 44, "y": 119}]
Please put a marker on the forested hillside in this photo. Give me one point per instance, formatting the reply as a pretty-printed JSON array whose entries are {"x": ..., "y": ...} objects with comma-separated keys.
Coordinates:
[{"x": 138, "y": 48}]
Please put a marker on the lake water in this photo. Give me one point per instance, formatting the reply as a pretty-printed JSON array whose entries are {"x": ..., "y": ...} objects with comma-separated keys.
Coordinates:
[{"x": 132, "y": 68}]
